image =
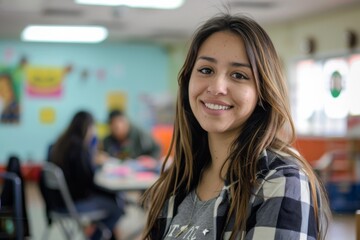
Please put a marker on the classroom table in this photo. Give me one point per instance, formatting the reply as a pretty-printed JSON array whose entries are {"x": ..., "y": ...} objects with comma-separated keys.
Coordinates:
[{"x": 127, "y": 175}]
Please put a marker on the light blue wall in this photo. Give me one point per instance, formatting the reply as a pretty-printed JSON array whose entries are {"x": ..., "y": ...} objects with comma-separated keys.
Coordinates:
[{"x": 134, "y": 68}]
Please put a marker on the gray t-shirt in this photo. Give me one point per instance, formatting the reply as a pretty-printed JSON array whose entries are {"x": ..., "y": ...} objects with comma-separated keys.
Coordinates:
[{"x": 194, "y": 220}]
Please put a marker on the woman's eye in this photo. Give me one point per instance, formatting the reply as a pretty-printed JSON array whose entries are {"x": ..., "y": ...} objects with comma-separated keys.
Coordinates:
[
  {"x": 239, "y": 76},
  {"x": 205, "y": 70}
]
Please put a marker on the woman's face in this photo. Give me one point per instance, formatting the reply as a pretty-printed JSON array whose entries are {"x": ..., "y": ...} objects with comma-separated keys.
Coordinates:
[{"x": 222, "y": 89}]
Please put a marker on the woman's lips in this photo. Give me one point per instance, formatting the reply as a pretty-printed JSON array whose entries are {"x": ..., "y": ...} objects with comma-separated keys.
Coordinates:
[
  {"x": 213, "y": 106},
  {"x": 216, "y": 105}
]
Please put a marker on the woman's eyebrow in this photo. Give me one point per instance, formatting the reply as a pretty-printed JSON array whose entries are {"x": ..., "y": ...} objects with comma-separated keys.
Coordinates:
[
  {"x": 210, "y": 59},
  {"x": 213, "y": 60}
]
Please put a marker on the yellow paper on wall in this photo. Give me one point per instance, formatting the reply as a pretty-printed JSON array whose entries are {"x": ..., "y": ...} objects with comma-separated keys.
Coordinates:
[
  {"x": 116, "y": 100},
  {"x": 47, "y": 115}
]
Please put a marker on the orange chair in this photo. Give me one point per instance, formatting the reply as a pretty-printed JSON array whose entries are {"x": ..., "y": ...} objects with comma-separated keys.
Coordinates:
[{"x": 163, "y": 134}]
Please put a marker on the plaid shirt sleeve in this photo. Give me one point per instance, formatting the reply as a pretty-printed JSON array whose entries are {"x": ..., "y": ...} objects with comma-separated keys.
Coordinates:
[{"x": 281, "y": 208}]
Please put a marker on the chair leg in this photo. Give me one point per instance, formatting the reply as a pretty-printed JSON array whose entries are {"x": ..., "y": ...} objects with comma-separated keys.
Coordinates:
[{"x": 69, "y": 230}]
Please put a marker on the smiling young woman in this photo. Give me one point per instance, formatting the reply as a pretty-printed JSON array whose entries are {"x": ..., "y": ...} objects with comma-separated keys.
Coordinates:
[{"x": 235, "y": 174}]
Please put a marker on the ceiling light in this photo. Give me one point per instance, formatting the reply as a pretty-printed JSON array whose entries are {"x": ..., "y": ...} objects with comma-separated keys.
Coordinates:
[
  {"x": 69, "y": 34},
  {"x": 161, "y": 4}
]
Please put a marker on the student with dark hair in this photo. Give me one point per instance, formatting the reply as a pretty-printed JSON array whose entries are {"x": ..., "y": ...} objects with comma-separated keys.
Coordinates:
[
  {"x": 235, "y": 173},
  {"x": 74, "y": 152},
  {"x": 126, "y": 140}
]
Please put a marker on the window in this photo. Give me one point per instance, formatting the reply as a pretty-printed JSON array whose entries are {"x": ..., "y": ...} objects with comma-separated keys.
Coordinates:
[{"x": 325, "y": 93}]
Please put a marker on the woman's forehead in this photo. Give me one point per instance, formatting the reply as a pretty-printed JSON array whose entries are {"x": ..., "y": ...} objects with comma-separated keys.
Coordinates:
[{"x": 223, "y": 44}]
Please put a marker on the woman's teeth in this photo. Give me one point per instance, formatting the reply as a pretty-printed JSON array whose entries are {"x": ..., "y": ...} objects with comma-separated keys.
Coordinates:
[{"x": 216, "y": 106}]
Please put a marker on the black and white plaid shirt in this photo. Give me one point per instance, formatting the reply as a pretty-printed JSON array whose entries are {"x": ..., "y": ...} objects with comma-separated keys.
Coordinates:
[{"x": 280, "y": 208}]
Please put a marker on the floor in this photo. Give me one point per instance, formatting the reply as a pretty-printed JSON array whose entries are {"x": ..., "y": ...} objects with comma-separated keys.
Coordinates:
[
  {"x": 342, "y": 227},
  {"x": 134, "y": 219}
]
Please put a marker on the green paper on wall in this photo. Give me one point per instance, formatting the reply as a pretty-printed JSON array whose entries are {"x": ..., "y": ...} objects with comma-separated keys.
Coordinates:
[{"x": 335, "y": 84}]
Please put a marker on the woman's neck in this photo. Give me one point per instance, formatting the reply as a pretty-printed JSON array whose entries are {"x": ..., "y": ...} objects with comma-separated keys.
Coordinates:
[
  {"x": 211, "y": 180},
  {"x": 219, "y": 146}
]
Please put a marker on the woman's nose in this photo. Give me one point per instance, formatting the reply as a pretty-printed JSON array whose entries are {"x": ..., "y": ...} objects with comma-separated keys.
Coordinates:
[{"x": 218, "y": 85}]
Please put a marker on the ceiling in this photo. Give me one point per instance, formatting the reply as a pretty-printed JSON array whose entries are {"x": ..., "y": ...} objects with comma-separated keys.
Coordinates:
[{"x": 158, "y": 25}]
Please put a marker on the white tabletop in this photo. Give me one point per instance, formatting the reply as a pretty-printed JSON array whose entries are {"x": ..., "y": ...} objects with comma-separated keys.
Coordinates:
[{"x": 129, "y": 176}]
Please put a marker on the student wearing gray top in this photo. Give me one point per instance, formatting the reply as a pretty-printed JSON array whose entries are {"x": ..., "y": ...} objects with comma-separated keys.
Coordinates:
[{"x": 232, "y": 147}]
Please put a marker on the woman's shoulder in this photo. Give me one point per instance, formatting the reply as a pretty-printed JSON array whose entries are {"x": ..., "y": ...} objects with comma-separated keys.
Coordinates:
[
  {"x": 283, "y": 177},
  {"x": 273, "y": 164},
  {"x": 281, "y": 202}
]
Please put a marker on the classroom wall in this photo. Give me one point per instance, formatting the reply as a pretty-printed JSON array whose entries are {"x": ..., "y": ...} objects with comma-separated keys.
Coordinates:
[
  {"x": 138, "y": 70},
  {"x": 328, "y": 29},
  {"x": 177, "y": 54}
]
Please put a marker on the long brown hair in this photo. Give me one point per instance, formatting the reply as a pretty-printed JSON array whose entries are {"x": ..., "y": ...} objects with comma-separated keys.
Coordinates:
[
  {"x": 269, "y": 127},
  {"x": 78, "y": 128}
]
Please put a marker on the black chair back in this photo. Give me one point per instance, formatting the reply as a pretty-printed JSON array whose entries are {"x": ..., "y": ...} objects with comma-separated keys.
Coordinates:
[
  {"x": 10, "y": 196},
  {"x": 11, "y": 219}
]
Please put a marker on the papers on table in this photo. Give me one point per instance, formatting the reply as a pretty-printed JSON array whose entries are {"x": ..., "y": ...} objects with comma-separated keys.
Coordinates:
[{"x": 132, "y": 174}]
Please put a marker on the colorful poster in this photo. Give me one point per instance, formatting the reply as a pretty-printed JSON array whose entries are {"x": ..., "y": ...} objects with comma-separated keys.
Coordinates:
[
  {"x": 10, "y": 94},
  {"x": 45, "y": 81}
]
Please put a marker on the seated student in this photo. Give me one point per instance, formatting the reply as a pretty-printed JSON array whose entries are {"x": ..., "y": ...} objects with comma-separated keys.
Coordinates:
[
  {"x": 127, "y": 140},
  {"x": 74, "y": 152}
]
